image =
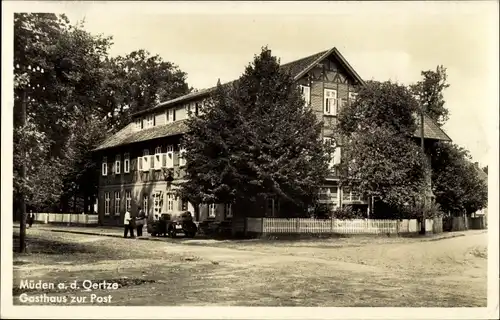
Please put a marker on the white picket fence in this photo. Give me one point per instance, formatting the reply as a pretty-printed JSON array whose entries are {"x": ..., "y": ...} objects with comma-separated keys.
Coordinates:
[
  {"x": 86, "y": 219},
  {"x": 355, "y": 226}
]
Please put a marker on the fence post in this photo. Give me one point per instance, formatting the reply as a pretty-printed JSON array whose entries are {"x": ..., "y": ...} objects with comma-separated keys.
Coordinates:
[
  {"x": 331, "y": 225},
  {"x": 262, "y": 226},
  {"x": 297, "y": 225}
]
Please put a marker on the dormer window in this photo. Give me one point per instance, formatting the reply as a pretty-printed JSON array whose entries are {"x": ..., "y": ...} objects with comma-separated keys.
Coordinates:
[
  {"x": 150, "y": 121},
  {"x": 170, "y": 115}
]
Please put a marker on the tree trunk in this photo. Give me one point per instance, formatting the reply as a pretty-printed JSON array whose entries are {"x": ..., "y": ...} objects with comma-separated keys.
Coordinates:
[{"x": 22, "y": 202}]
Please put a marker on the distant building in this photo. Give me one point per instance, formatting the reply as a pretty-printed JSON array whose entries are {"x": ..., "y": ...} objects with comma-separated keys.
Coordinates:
[{"x": 140, "y": 164}]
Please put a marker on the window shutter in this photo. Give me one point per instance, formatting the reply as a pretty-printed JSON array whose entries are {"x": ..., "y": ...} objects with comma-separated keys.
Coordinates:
[{"x": 337, "y": 155}]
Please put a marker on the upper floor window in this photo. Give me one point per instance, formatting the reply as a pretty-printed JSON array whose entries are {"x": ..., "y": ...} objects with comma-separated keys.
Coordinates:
[
  {"x": 126, "y": 163},
  {"x": 150, "y": 121},
  {"x": 182, "y": 158},
  {"x": 168, "y": 157},
  {"x": 170, "y": 115},
  {"x": 330, "y": 102},
  {"x": 117, "y": 164},
  {"x": 139, "y": 124},
  {"x": 104, "y": 166},
  {"x": 157, "y": 158},
  {"x": 305, "y": 91},
  {"x": 336, "y": 156},
  {"x": 145, "y": 161},
  {"x": 352, "y": 96}
]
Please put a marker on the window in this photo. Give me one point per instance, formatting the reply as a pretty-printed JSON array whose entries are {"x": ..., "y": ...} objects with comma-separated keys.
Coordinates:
[
  {"x": 105, "y": 166},
  {"x": 145, "y": 203},
  {"x": 211, "y": 210},
  {"x": 157, "y": 158},
  {"x": 182, "y": 159},
  {"x": 138, "y": 124},
  {"x": 331, "y": 142},
  {"x": 146, "y": 161},
  {"x": 330, "y": 103},
  {"x": 328, "y": 195},
  {"x": 272, "y": 207},
  {"x": 349, "y": 195},
  {"x": 168, "y": 160},
  {"x": 128, "y": 200},
  {"x": 158, "y": 202},
  {"x": 150, "y": 121},
  {"x": 117, "y": 164},
  {"x": 305, "y": 91},
  {"x": 106, "y": 203},
  {"x": 352, "y": 96},
  {"x": 228, "y": 210},
  {"x": 170, "y": 114},
  {"x": 126, "y": 163},
  {"x": 170, "y": 202},
  {"x": 184, "y": 205},
  {"x": 117, "y": 202}
]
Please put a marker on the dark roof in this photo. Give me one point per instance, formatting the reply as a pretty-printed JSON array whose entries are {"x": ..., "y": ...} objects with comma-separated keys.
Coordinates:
[
  {"x": 296, "y": 68},
  {"x": 432, "y": 131},
  {"x": 127, "y": 135}
]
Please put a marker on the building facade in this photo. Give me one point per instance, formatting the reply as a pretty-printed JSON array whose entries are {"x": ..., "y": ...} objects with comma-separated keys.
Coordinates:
[{"x": 142, "y": 165}]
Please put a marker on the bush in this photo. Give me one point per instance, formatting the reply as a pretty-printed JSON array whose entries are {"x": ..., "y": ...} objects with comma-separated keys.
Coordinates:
[{"x": 347, "y": 213}]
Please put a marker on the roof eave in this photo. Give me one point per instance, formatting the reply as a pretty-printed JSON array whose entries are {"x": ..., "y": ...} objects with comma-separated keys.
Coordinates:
[{"x": 341, "y": 58}]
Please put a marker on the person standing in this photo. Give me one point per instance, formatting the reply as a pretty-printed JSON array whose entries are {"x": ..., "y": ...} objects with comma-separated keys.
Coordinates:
[
  {"x": 128, "y": 224},
  {"x": 31, "y": 218},
  {"x": 141, "y": 220}
]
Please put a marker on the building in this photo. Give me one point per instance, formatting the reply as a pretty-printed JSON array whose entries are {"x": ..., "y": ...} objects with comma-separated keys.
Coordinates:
[{"x": 141, "y": 164}]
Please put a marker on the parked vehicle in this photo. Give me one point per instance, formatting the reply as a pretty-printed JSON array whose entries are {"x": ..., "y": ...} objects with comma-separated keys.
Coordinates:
[
  {"x": 174, "y": 224},
  {"x": 158, "y": 227}
]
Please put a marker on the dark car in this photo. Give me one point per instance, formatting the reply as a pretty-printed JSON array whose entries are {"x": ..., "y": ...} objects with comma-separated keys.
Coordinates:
[{"x": 174, "y": 224}]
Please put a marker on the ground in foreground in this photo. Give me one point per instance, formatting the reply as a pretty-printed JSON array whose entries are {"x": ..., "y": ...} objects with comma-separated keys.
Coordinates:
[{"x": 334, "y": 273}]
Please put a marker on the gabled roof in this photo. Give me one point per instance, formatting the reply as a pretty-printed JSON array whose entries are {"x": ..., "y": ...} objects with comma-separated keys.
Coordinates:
[
  {"x": 296, "y": 69},
  {"x": 128, "y": 135}
]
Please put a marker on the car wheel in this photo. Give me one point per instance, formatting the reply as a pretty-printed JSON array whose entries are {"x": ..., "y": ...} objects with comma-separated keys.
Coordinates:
[{"x": 172, "y": 233}]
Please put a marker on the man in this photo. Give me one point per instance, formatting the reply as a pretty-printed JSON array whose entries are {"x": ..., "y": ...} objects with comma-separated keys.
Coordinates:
[
  {"x": 127, "y": 222},
  {"x": 31, "y": 218},
  {"x": 141, "y": 220}
]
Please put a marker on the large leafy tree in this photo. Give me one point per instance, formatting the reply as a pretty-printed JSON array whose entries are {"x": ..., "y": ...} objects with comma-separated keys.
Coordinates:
[
  {"x": 381, "y": 159},
  {"x": 255, "y": 140},
  {"x": 457, "y": 184}
]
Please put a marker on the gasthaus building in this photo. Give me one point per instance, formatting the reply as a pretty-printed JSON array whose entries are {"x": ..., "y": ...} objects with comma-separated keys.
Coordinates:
[{"x": 141, "y": 164}]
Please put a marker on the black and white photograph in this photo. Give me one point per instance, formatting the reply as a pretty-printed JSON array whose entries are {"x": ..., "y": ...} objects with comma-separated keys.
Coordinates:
[{"x": 227, "y": 157}]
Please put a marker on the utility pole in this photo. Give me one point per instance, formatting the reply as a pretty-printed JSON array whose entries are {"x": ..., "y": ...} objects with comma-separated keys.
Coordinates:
[
  {"x": 424, "y": 189},
  {"x": 22, "y": 204}
]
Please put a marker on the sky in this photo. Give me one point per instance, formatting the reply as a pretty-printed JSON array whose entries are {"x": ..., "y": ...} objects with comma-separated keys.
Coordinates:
[{"x": 382, "y": 41}]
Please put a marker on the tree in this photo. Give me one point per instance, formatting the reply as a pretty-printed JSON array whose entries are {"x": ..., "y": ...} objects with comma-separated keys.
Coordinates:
[
  {"x": 457, "y": 185},
  {"x": 485, "y": 170},
  {"x": 58, "y": 74},
  {"x": 139, "y": 81},
  {"x": 380, "y": 157},
  {"x": 429, "y": 93},
  {"x": 255, "y": 140}
]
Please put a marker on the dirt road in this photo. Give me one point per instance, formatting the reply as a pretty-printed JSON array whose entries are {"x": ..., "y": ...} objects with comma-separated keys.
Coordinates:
[{"x": 341, "y": 273}]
